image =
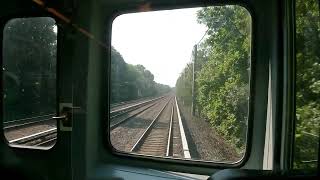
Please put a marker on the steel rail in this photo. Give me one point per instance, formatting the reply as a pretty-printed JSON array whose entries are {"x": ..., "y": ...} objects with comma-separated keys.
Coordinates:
[
  {"x": 130, "y": 109},
  {"x": 146, "y": 132},
  {"x": 34, "y": 137},
  {"x": 185, "y": 146},
  {"x": 113, "y": 126},
  {"x": 37, "y": 119},
  {"x": 47, "y": 142},
  {"x": 170, "y": 132},
  {"x": 134, "y": 105},
  {"x": 26, "y": 121},
  {"x": 114, "y": 105}
]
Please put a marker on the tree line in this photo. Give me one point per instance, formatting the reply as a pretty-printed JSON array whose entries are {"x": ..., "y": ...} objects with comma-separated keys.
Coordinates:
[
  {"x": 307, "y": 84},
  {"x": 222, "y": 77},
  {"x": 29, "y": 67},
  {"x": 221, "y": 68},
  {"x": 129, "y": 82}
]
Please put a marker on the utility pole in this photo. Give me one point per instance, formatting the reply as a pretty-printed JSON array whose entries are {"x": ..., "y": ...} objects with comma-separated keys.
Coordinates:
[{"x": 193, "y": 106}]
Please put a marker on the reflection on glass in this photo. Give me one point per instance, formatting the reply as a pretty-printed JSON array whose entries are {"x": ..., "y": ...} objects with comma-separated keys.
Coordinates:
[{"x": 29, "y": 81}]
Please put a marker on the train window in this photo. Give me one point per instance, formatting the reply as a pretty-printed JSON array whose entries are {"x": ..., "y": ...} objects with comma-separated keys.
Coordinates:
[
  {"x": 306, "y": 144},
  {"x": 29, "y": 81},
  {"x": 180, "y": 83}
]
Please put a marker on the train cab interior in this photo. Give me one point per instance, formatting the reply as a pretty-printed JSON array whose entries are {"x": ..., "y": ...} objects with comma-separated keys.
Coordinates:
[{"x": 160, "y": 89}]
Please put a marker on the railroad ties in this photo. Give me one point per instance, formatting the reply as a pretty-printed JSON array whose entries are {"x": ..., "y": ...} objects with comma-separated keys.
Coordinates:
[
  {"x": 163, "y": 136},
  {"x": 45, "y": 138},
  {"x": 33, "y": 131}
]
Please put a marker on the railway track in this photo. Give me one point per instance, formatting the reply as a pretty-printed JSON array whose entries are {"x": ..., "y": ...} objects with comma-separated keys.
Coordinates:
[
  {"x": 27, "y": 121},
  {"x": 153, "y": 140},
  {"x": 123, "y": 110},
  {"x": 127, "y": 103},
  {"x": 132, "y": 112},
  {"x": 44, "y": 138},
  {"x": 163, "y": 136},
  {"x": 47, "y": 137}
]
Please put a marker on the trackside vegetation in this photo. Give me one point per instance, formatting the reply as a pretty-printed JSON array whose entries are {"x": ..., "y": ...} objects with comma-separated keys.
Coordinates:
[
  {"x": 129, "y": 82},
  {"x": 222, "y": 77},
  {"x": 307, "y": 84},
  {"x": 29, "y": 67},
  {"x": 222, "y": 72}
]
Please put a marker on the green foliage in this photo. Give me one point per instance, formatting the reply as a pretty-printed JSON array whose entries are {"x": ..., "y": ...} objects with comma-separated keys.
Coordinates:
[
  {"x": 307, "y": 84},
  {"x": 184, "y": 85},
  {"x": 29, "y": 65},
  {"x": 222, "y": 79},
  {"x": 130, "y": 82},
  {"x": 30, "y": 71},
  {"x": 222, "y": 83}
]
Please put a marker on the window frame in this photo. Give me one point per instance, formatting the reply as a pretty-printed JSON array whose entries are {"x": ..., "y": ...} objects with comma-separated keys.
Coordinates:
[
  {"x": 237, "y": 164},
  {"x": 285, "y": 160},
  {"x": 3, "y": 23}
]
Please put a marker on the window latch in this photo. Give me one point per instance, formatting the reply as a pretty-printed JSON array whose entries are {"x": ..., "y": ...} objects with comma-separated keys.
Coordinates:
[{"x": 65, "y": 118}]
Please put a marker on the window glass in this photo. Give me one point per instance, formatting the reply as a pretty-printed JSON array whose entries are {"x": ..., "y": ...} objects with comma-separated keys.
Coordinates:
[
  {"x": 180, "y": 83},
  {"x": 307, "y": 84},
  {"x": 29, "y": 81}
]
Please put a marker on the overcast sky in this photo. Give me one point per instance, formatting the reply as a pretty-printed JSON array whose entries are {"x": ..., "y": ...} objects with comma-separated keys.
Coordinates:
[{"x": 162, "y": 41}]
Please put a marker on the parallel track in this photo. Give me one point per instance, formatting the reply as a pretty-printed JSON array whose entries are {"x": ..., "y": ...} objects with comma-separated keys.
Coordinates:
[
  {"x": 124, "y": 110},
  {"x": 27, "y": 121},
  {"x": 113, "y": 125},
  {"x": 124, "y": 103},
  {"x": 144, "y": 106},
  {"x": 161, "y": 136},
  {"x": 44, "y": 138},
  {"x": 48, "y": 137},
  {"x": 156, "y": 139}
]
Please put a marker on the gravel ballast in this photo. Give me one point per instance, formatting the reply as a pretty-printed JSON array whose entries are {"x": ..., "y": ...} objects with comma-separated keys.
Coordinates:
[
  {"x": 204, "y": 143},
  {"x": 125, "y": 136}
]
